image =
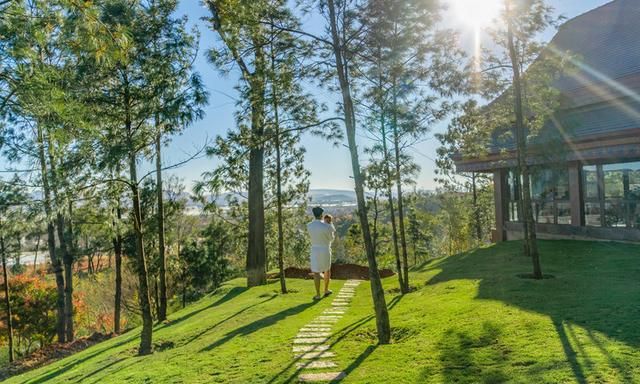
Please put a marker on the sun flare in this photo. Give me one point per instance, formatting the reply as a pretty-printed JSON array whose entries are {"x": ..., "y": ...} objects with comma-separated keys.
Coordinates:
[{"x": 476, "y": 13}]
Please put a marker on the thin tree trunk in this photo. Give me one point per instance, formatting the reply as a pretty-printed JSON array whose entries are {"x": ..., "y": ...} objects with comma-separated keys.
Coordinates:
[
  {"x": 388, "y": 179},
  {"x": 19, "y": 250},
  {"x": 51, "y": 239},
  {"x": 476, "y": 212},
  {"x": 530, "y": 241},
  {"x": 374, "y": 226},
  {"x": 162, "y": 307},
  {"x": 64, "y": 243},
  {"x": 156, "y": 294},
  {"x": 141, "y": 264},
  {"x": 35, "y": 257},
  {"x": 146, "y": 335},
  {"x": 274, "y": 95},
  {"x": 396, "y": 144},
  {"x": 392, "y": 211},
  {"x": 117, "y": 248},
  {"x": 7, "y": 299},
  {"x": 377, "y": 292}
]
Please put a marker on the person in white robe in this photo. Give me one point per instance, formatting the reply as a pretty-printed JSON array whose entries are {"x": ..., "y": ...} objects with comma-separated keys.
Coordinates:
[{"x": 321, "y": 235}]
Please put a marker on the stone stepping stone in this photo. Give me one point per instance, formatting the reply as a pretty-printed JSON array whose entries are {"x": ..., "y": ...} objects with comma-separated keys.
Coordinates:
[
  {"x": 340, "y": 304},
  {"x": 323, "y": 323},
  {"x": 315, "y": 355},
  {"x": 326, "y": 376},
  {"x": 328, "y": 317},
  {"x": 314, "y": 334},
  {"x": 317, "y": 364},
  {"x": 310, "y": 340},
  {"x": 310, "y": 348},
  {"x": 315, "y": 329},
  {"x": 334, "y": 312}
]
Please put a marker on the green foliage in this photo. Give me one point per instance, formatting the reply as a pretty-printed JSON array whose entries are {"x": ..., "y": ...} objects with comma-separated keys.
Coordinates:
[
  {"x": 33, "y": 301},
  {"x": 204, "y": 264}
]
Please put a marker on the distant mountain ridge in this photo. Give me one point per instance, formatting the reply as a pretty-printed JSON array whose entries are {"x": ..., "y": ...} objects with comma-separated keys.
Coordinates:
[{"x": 321, "y": 196}]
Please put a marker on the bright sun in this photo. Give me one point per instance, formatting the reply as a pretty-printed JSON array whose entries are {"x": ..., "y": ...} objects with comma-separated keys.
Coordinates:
[{"x": 476, "y": 13}]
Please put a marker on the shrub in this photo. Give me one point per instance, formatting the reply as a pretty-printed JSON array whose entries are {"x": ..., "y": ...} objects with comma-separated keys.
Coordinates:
[{"x": 33, "y": 304}]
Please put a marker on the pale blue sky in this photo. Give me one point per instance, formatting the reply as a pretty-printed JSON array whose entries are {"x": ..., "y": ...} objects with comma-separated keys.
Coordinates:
[{"x": 330, "y": 166}]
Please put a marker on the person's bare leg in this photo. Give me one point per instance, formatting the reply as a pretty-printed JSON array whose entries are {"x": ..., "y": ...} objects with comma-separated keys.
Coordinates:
[
  {"x": 327, "y": 280},
  {"x": 316, "y": 281}
]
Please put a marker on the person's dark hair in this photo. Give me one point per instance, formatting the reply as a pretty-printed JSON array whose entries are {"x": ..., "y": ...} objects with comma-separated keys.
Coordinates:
[{"x": 317, "y": 212}]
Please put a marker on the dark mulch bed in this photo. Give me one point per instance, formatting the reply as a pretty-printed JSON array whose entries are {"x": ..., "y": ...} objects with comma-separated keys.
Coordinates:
[
  {"x": 51, "y": 353},
  {"x": 338, "y": 271}
]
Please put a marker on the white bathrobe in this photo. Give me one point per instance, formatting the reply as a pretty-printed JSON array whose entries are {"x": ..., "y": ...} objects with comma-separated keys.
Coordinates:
[{"x": 321, "y": 235}]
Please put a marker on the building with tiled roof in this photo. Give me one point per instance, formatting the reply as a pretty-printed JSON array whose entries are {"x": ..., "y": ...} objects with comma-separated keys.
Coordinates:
[{"x": 594, "y": 191}]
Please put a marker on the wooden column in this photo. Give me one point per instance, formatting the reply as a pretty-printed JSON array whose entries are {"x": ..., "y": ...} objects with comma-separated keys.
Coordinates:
[
  {"x": 575, "y": 195},
  {"x": 500, "y": 196}
]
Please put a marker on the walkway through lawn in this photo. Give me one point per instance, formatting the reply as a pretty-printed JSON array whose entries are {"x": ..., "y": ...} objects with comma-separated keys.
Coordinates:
[{"x": 310, "y": 346}]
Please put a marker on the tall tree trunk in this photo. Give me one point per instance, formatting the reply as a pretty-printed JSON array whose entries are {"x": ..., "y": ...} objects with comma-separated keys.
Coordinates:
[
  {"x": 274, "y": 95},
  {"x": 64, "y": 242},
  {"x": 141, "y": 264},
  {"x": 7, "y": 298},
  {"x": 403, "y": 234},
  {"x": 377, "y": 292},
  {"x": 256, "y": 250},
  {"x": 388, "y": 178},
  {"x": 56, "y": 263},
  {"x": 530, "y": 242},
  {"x": 117, "y": 249},
  {"x": 67, "y": 258},
  {"x": 162, "y": 307},
  {"x": 392, "y": 211}
]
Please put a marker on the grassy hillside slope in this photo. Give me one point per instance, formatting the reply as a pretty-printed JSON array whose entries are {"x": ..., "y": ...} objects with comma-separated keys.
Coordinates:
[{"x": 471, "y": 320}]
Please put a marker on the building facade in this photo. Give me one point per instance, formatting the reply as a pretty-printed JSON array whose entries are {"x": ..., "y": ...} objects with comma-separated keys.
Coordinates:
[{"x": 592, "y": 188}]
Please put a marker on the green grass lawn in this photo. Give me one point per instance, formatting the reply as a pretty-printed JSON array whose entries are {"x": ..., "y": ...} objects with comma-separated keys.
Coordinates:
[{"x": 471, "y": 320}]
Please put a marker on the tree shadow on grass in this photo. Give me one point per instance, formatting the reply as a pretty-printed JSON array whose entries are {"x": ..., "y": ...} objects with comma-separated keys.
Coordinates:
[
  {"x": 231, "y": 294},
  {"x": 469, "y": 358},
  {"x": 212, "y": 327},
  {"x": 358, "y": 360},
  {"x": 84, "y": 378},
  {"x": 595, "y": 288},
  {"x": 259, "y": 324},
  {"x": 65, "y": 368},
  {"x": 570, "y": 353}
]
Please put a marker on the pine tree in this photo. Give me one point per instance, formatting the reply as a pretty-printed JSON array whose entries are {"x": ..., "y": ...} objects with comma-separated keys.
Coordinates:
[
  {"x": 411, "y": 67},
  {"x": 517, "y": 49}
]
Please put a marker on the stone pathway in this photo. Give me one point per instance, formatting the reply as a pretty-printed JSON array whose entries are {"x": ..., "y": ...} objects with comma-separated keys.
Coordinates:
[{"x": 309, "y": 346}]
